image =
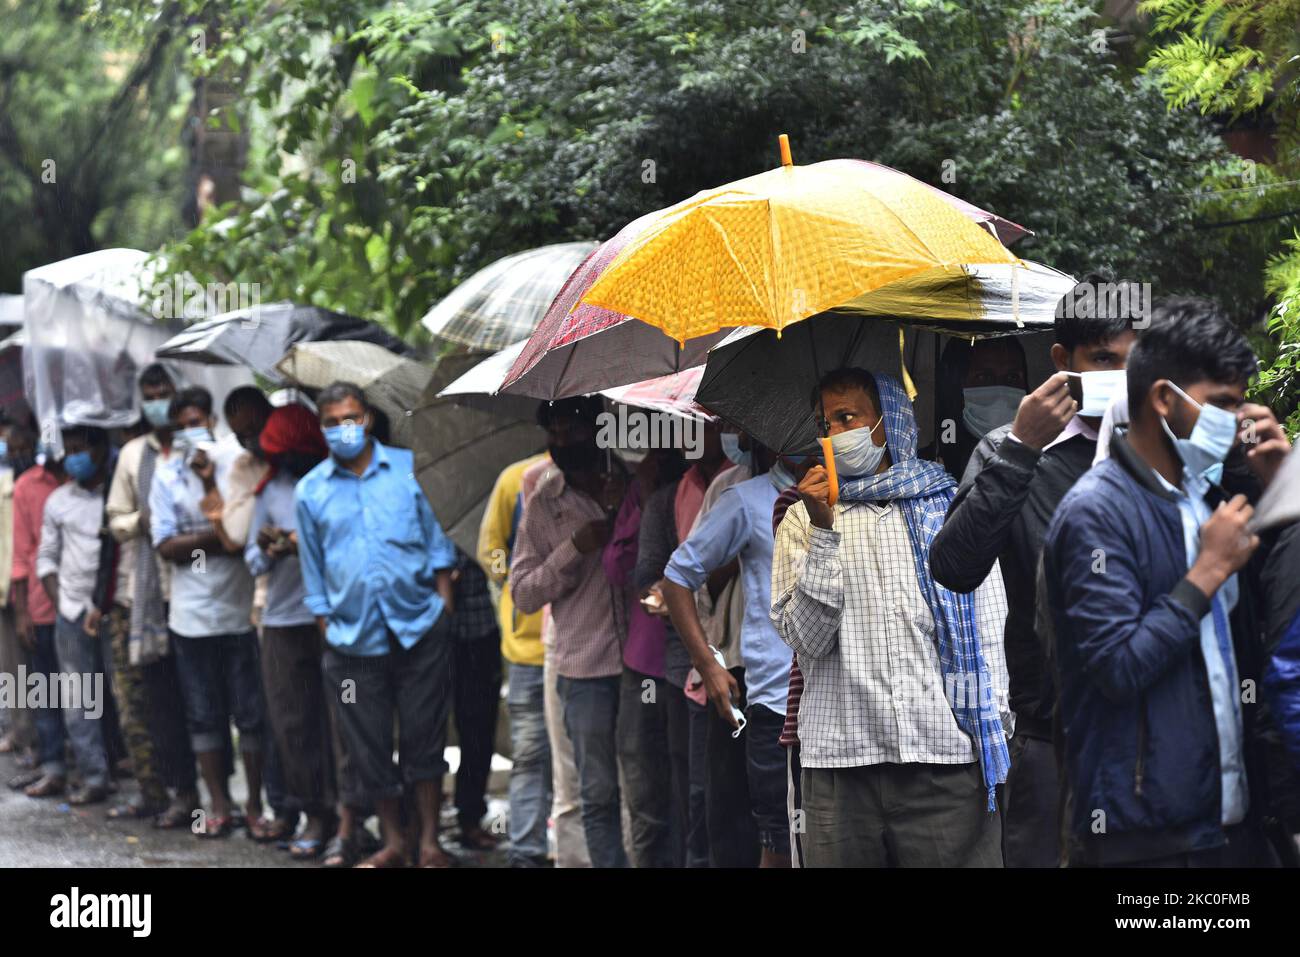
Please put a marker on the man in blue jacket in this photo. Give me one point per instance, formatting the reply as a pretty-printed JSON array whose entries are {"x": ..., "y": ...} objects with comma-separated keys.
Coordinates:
[{"x": 1156, "y": 647}]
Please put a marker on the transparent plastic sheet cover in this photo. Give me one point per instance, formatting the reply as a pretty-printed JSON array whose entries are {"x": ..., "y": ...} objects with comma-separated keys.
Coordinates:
[{"x": 90, "y": 331}]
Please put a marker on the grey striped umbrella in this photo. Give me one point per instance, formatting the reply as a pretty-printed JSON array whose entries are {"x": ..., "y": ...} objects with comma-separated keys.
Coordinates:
[{"x": 502, "y": 303}]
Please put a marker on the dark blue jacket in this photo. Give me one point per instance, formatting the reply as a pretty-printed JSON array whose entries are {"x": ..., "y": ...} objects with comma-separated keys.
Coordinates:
[{"x": 1141, "y": 749}]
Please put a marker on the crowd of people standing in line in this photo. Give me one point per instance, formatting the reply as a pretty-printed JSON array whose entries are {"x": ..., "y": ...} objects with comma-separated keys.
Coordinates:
[{"x": 1028, "y": 644}]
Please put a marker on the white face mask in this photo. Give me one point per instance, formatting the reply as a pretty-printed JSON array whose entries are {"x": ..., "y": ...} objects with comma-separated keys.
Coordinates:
[
  {"x": 990, "y": 406},
  {"x": 855, "y": 453},
  {"x": 1100, "y": 387}
]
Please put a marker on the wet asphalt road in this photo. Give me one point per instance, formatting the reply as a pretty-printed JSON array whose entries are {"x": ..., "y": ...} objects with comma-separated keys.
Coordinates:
[{"x": 49, "y": 833}]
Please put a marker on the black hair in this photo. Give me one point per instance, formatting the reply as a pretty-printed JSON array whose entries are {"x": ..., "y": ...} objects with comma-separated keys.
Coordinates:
[
  {"x": 156, "y": 374},
  {"x": 1096, "y": 309},
  {"x": 584, "y": 408},
  {"x": 93, "y": 436},
  {"x": 195, "y": 396},
  {"x": 246, "y": 397},
  {"x": 950, "y": 398},
  {"x": 1189, "y": 340},
  {"x": 340, "y": 390},
  {"x": 847, "y": 377}
]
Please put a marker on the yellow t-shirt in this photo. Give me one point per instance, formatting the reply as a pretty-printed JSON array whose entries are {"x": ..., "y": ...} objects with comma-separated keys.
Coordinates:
[{"x": 521, "y": 634}]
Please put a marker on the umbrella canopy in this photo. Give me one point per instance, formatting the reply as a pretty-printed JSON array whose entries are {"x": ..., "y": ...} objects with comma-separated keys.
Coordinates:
[
  {"x": 776, "y": 248},
  {"x": 459, "y": 452},
  {"x": 579, "y": 348},
  {"x": 258, "y": 337},
  {"x": 673, "y": 393},
  {"x": 970, "y": 300},
  {"x": 763, "y": 383},
  {"x": 502, "y": 303},
  {"x": 92, "y": 323}
]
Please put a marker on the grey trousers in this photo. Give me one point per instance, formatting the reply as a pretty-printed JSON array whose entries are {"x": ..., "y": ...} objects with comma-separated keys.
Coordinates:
[
  {"x": 17, "y": 721},
  {"x": 899, "y": 815}
]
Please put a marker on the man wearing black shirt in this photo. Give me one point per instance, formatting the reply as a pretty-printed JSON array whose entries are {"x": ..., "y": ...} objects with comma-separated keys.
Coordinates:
[{"x": 1012, "y": 485}]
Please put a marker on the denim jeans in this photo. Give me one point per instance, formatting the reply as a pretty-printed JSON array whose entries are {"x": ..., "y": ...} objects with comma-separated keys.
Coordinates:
[
  {"x": 82, "y": 657},
  {"x": 221, "y": 678},
  {"x": 50, "y": 736},
  {"x": 590, "y": 717},
  {"x": 530, "y": 773}
]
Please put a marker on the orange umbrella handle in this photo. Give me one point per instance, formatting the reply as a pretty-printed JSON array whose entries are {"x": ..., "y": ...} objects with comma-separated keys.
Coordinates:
[
  {"x": 786, "y": 158},
  {"x": 829, "y": 457}
]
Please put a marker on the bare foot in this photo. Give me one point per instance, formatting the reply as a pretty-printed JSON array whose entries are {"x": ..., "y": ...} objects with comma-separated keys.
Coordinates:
[{"x": 432, "y": 855}]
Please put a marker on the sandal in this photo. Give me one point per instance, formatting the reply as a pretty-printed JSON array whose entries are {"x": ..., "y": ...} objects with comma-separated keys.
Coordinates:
[
  {"x": 48, "y": 786},
  {"x": 217, "y": 827},
  {"x": 88, "y": 795},
  {"x": 133, "y": 811},
  {"x": 383, "y": 858},
  {"x": 265, "y": 832},
  {"x": 174, "y": 816},
  {"x": 306, "y": 848},
  {"x": 23, "y": 779}
]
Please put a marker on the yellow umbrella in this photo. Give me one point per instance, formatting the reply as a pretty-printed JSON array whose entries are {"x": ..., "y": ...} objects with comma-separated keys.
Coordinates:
[{"x": 775, "y": 248}]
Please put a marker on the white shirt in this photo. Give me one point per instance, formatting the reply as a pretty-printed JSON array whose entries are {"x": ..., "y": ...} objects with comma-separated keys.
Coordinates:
[
  {"x": 70, "y": 546},
  {"x": 211, "y": 594}
]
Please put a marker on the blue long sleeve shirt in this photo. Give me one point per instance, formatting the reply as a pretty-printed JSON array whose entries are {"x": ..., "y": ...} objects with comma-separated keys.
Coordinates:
[{"x": 370, "y": 549}]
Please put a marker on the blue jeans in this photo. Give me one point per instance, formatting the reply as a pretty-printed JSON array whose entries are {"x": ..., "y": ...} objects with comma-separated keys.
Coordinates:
[
  {"x": 590, "y": 717},
  {"x": 82, "y": 658},
  {"x": 530, "y": 773},
  {"x": 221, "y": 678},
  {"x": 50, "y": 736}
]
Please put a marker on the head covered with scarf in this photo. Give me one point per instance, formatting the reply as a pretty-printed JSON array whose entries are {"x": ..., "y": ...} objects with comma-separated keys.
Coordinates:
[
  {"x": 923, "y": 490},
  {"x": 291, "y": 440}
]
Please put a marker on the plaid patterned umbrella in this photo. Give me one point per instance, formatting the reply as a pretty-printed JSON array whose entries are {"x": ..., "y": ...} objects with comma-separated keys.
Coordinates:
[{"x": 502, "y": 303}]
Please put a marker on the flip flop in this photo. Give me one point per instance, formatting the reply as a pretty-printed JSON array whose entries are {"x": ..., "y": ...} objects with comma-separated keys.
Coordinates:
[
  {"x": 47, "y": 786},
  {"x": 217, "y": 827},
  {"x": 23, "y": 779},
  {"x": 306, "y": 848},
  {"x": 383, "y": 858},
  {"x": 173, "y": 817},
  {"x": 133, "y": 811}
]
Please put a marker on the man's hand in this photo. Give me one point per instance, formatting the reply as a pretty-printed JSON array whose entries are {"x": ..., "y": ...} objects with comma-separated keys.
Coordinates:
[
  {"x": 1226, "y": 545},
  {"x": 25, "y": 628},
  {"x": 90, "y": 625},
  {"x": 204, "y": 468},
  {"x": 653, "y": 601},
  {"x": 722, "y": 690},
  {"x": 815, "y": 492},
  {"x": 271, "y": 540},
  {"x": 591, "y": 536},
  {"x": 1265, "y": 440},
  {"x": 1044, "y": 412}
]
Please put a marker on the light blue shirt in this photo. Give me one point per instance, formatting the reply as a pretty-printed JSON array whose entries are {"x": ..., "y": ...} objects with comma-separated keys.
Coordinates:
[
  {"x": 211, "y": 594},
  {"x": 286, "y": 605},
  {"x": 1216, "y": 649},
  {"x": 370, "y": 549},
  {"x": 740, "y": 525}
]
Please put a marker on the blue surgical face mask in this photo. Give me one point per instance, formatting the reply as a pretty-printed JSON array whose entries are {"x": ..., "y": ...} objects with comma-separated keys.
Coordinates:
[
  {"x": 347, "y": 440},
  {"x": 1100, "y": 386},
  {"x": 187, "y": 440},
  {"x": 79, "y": 465},
  {"x": 989, "y": 406},
  {"x": 732, "y": 450},
  {"x": 1211, "y": 440},
  {"x": 155, "y": 411},
  {"x": 4, "y": 449},
  {"x": 855, "y": 453}
]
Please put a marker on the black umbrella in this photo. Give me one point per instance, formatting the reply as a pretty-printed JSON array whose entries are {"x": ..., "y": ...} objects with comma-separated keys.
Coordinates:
[{"x": 258, "y": 337}]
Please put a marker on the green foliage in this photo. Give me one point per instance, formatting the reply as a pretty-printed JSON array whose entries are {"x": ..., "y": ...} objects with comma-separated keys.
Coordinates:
[
  {"x": 90, "y": 137},
  {"x": 1235, "y": 57},
  {"x": 403, "y": 146}
]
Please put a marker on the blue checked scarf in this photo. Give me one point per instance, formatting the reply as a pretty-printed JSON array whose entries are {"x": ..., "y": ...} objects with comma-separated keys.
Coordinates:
[{"x": 924, "y": 490}]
